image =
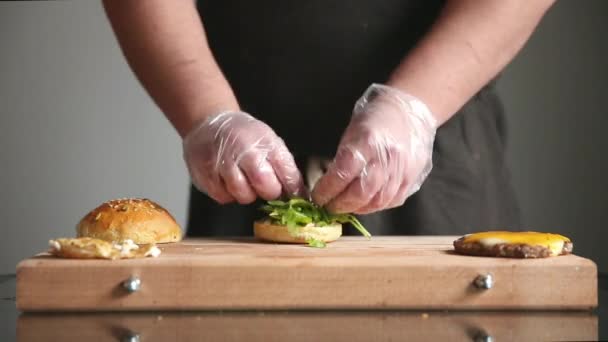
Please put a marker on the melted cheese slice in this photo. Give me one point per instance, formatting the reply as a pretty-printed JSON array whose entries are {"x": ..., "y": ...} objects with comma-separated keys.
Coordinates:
[{"x": 554, "y": 242}]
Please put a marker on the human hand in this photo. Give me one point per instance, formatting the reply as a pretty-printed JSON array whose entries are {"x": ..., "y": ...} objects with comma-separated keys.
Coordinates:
[
  {"x": 384, "y": 155},
  {"x": 233, "y": 156}
]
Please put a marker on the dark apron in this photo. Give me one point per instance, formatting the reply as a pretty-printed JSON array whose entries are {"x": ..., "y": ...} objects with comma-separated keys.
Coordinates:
[{"x": 301, "y": 65}]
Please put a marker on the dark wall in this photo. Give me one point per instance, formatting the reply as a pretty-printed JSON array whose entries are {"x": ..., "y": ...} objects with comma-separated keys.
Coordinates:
[{"x": 556, "y": 96}]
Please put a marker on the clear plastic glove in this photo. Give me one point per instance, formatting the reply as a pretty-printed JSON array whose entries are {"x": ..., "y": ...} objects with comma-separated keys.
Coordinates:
[
  {"x": 384, "y": 155},
  {"x": 233, "y": 156}
]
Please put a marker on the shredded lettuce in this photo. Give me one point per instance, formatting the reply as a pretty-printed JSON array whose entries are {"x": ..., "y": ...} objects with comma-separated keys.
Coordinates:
[{"x": 298, "y": 212}]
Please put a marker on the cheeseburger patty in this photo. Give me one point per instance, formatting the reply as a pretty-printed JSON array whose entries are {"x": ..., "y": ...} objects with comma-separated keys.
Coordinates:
[{"x": 513, "y": 244}]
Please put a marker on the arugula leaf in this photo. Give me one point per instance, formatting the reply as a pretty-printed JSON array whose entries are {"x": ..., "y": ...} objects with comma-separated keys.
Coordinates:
[
  {"x": 298, "y": 212},
  {"x": 316, "y": 243}
]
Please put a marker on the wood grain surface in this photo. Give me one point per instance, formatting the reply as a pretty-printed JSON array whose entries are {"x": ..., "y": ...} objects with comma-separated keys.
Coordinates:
[
  {"x": 419, "y": 272},
  {"x": 310, "y": 326}
]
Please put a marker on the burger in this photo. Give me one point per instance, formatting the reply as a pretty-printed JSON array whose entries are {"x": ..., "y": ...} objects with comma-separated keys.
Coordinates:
[
  {"x": 119, "y": 229},
  {"x": 298, "y": 220},
  {"x": 137, "y": 219}
]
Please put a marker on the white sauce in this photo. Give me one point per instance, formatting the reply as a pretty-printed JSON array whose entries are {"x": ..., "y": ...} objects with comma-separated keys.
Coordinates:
[
  {"x": 126, "y": 247},
  {"x": 153, "y": 252},
  {"x": 54, "y": 245}
]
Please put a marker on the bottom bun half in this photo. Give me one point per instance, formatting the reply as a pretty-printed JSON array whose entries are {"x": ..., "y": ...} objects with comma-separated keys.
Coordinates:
[{"x": 266, "y": 231}]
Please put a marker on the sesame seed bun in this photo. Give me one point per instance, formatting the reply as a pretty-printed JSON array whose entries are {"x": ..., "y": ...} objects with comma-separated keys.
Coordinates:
[
  {"x": 91, "y": 248},
  {"x": 264, "y": 230},
  {"x": 139, "y": 220}
]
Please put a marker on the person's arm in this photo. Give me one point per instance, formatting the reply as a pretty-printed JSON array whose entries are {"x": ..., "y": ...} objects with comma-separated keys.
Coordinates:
[
  {"x": 386, "y": 151},
  {"x": 470, "y": 43},
  {"x": 231, "y": 156},
  {"x": 165, "y": 45}
]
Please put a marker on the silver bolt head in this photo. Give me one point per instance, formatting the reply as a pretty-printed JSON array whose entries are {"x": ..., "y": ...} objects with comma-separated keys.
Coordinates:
[
  {"x": 484, "y": 338},
  {"x": 484, "y": 281},
  {"x": 131, "y": 337},
  {"x": 132, "y": 284}
]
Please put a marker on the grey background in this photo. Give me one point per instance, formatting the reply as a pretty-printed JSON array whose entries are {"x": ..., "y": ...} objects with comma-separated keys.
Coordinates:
[{"x": 76, "y": 128}]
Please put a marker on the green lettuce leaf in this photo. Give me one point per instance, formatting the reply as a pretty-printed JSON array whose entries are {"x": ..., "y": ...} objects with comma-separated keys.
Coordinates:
[{"x": 298, "y": 212}]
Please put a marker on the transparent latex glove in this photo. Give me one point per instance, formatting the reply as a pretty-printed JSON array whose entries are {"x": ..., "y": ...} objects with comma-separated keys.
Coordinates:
[
  {"x": 384, "y": 155},
  {"x": 232, "y": 156}
]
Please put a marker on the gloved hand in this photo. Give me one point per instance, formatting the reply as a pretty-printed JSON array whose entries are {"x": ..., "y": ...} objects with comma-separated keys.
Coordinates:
[
  {"x": 233, "y": 156},
  {"x": 384, "y": 155}
]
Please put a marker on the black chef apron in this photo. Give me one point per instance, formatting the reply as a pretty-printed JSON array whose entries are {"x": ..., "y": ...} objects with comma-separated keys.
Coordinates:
[{"x": 300, "y": 66}]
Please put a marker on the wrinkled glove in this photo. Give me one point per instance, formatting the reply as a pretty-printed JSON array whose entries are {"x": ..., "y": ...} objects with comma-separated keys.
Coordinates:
[
  {"x": 233, "y": 156},
  {"x": 384, "y": 155}
]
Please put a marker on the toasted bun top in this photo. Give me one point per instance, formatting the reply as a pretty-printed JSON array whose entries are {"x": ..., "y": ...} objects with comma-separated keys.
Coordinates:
[{"x": 140, "y": 220}]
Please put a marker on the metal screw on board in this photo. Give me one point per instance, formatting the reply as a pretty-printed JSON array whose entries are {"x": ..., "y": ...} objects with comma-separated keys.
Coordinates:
[
  {"x": 484, "y": 281},
  {"x": 483, "y": 338},
  {"x": 131, "y": 337},
  {"x": 132, "y": 284}
]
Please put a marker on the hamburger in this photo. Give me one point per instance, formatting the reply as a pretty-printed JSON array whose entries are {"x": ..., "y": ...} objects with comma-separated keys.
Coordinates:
[
  {"x": 119, "y": 229},
  {"x": 301, "y": 221},
  {"x": 137, "y": 219}
]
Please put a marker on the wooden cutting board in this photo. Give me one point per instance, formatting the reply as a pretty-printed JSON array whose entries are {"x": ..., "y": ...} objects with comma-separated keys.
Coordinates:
[
  {"x": 309, "y": 326},
  {"x": 419, "y": 272}
]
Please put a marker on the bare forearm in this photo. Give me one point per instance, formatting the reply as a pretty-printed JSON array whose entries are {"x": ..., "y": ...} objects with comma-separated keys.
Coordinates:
[
  {"x": 165, "y": 45},
  {"x": 468, "y": 46}
]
